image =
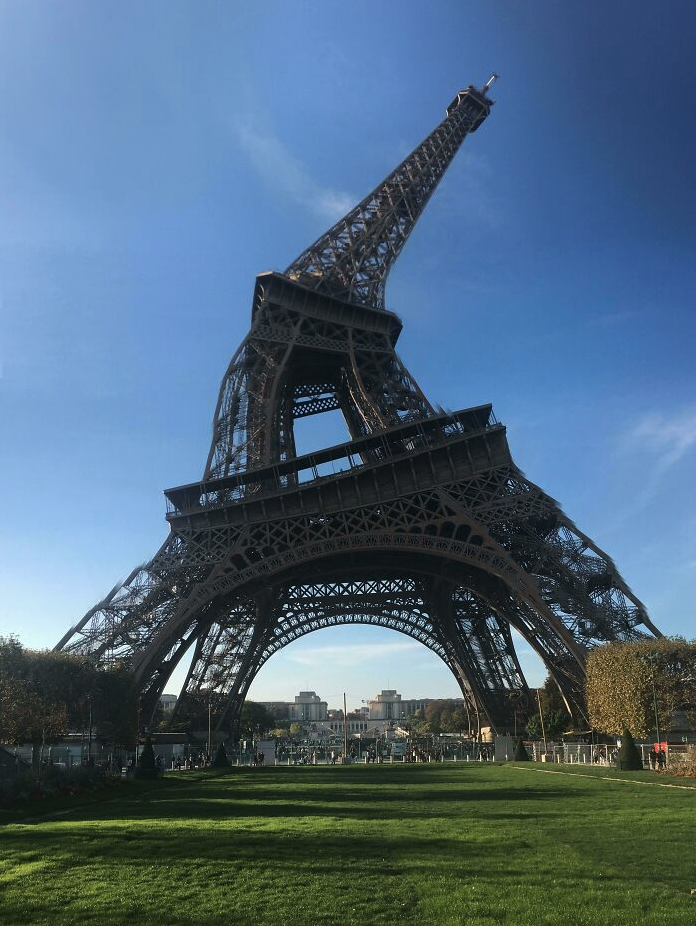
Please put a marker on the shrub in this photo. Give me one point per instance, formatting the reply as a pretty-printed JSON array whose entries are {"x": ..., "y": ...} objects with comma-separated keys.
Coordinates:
[
  {"x": 147, "y": 756},
  {"x": 629, "y": 759},
  {"x": 521, "y": 754},
  {"x": 147, "y": 766},
  {"x": 221, "y": 760},
  {"x": 51, "y": 781},
  {"x": 683, "y": 763}
]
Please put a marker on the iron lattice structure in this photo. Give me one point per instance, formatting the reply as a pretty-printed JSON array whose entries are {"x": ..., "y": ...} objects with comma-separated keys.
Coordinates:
[{"x": 421, "y": 522}]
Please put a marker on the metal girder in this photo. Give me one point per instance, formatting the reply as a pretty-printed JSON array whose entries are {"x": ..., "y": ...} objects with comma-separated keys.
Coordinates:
[
  {"x": 421, "y": 522},
  {"x": 352, "y": 260},
  {"x": 405, "y": 605}
]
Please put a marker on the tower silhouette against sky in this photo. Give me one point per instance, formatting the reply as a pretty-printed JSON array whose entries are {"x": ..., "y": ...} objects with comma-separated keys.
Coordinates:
[{"x": 421, "y": 522}]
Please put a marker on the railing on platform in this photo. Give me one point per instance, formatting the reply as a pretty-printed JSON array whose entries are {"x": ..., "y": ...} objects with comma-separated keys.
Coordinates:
[{"x": 391, "y": 445}]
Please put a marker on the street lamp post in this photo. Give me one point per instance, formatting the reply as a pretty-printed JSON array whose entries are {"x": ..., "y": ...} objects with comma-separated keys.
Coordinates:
[
  {"x": 345, "y": 729},
  {"x": 541, "y": 717},
  {"x": 89, "y": 731},
  {"x": 651, "y": 657}
]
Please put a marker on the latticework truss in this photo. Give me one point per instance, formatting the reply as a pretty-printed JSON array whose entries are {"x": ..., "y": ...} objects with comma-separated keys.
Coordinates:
[
  {"x": 352, "y": 260},
  {"x": 420, "y": 523}
]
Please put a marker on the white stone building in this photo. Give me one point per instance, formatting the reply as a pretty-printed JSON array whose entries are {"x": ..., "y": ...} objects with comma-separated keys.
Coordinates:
[
  {"x": 308, "y": 708},
  {"x": 389, "y": 705},
  {"x": 167, "y": 703}
]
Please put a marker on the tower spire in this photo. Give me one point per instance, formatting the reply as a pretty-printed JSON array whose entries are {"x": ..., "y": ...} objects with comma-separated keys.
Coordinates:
[{"x": 351, "y": 261}]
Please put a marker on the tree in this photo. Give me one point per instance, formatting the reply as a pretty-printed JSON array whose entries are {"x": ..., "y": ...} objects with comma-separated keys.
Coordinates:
[
  {"x": 551, "y": 698},
  {"x": 436, "y": 715},
  {"x": 460, "y": 720},
  {"x": 553, "y": 708},
  {"x": 221, "y": 760},
  {"x": 13, "y": 671},
  {"x": 46, "y": 694},
  {"x": 521, "y": 754},
  {"x": 40, "y": 693},
  {"x": 555, "y": 724},
  {"x": 254, "y": 718},
  {"x": 147, "y": 765},
  {"x": 418, "y": 723},
  {"x": 194, "y": 710},
  {"x": 115, "y": 705},
  {"x": 628, "y": 683},
  {"x": 629, "y": 759},
  {"x": 522, "y": 703}
]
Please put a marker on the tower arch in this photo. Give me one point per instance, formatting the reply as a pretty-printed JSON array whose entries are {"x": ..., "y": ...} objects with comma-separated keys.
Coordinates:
[{"x": 460, "y": 600}]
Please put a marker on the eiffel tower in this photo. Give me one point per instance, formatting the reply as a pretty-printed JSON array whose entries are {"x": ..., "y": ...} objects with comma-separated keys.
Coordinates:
[{"x": 420, "y": 523}]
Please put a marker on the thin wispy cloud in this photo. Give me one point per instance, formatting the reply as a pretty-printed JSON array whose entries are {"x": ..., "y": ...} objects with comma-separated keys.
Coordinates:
[
  {"x": 351, "y": 654},
  {"x": 667, "y": 438},
  {"x": 272, "y": 160}
]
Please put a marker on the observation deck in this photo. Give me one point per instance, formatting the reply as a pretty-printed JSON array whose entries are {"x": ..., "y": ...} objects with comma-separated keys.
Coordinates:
[{"x": 417, "y": 454}]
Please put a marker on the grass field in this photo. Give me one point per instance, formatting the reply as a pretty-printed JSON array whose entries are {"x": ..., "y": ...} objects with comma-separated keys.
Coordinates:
[{"x": 461, "y": 843}]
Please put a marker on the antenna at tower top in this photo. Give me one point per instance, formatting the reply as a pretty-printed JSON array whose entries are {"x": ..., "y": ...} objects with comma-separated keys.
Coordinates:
[{"x": 489, "y": 83}]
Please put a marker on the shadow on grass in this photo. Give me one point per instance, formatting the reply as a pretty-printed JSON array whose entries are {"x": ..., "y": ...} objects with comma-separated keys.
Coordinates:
[
  {"x": 303, "y": 877},
  {"x": 340, "y": 809},
  {"x": 224, "y": 800},
  {"x": 392, "y": 793},
  {"x": 390, "y": 831},
  {"x": 494, "y": 856},
  {"x": 321, "y": 852}
]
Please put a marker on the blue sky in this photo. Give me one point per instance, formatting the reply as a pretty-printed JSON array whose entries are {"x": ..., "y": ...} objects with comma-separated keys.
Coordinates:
[{"x": 155, "y": 156}]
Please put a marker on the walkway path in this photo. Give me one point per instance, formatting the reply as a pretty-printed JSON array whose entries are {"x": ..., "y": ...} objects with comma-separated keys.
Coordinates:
[{"x": 630, "y": 781}]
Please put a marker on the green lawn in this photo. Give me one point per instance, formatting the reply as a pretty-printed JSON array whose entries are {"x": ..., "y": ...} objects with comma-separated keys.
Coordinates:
[{"x": 425, "y": 844}]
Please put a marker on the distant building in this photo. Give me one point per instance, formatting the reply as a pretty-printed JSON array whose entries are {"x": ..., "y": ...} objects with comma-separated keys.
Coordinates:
[
  {"x": 358, "y": 722},
  {"x": 167, "y": 703},
  {"x": 389, "y": 705},
  {"x": 380, "y": 716},
  {"x": 308, "y": 708}
]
